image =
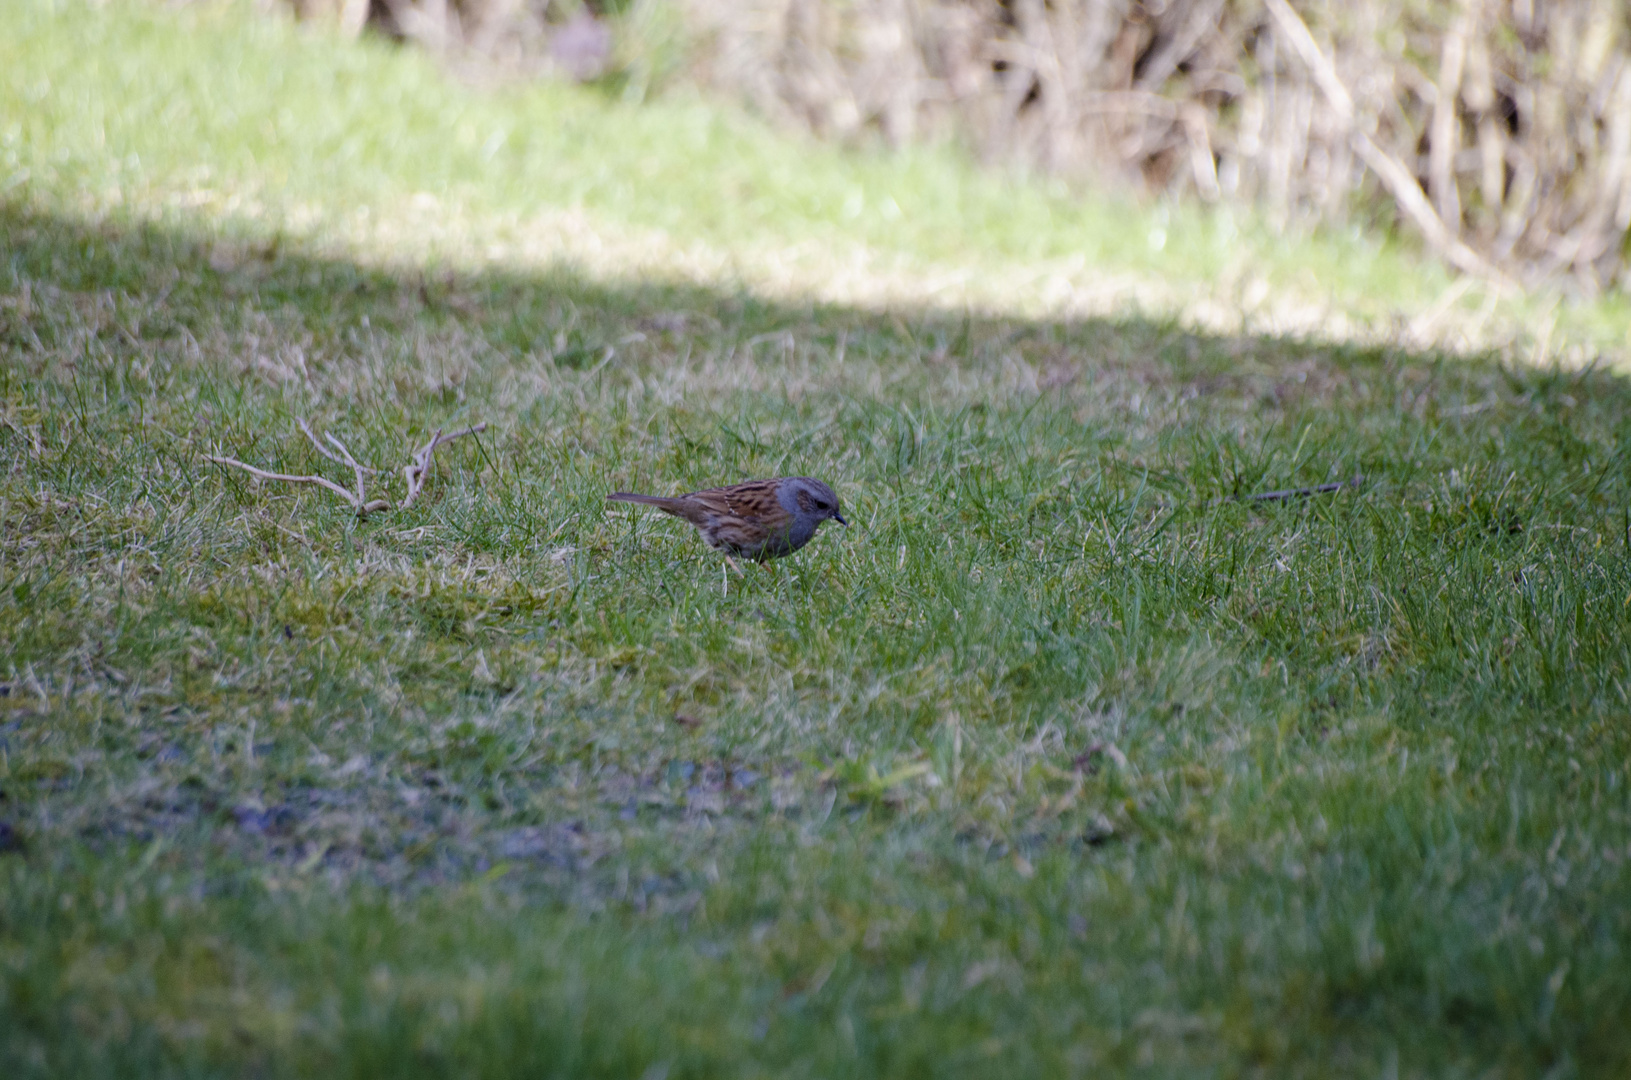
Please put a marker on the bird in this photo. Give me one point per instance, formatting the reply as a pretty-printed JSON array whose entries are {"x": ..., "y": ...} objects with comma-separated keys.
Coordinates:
[{"x": 759, "y": 519}]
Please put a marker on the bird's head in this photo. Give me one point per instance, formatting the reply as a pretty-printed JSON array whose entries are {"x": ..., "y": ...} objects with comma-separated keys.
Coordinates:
[{"x": 814, "y": 497}]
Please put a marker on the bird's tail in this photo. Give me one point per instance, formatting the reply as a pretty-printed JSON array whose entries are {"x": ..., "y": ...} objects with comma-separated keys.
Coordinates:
[
  {"x": 681, "y": 506},
  {"x": 672, "y": 506}
]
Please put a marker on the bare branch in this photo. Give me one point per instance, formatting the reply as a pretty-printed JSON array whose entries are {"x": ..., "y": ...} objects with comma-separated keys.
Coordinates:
[
  {"x": 1200, "y": 152},
  {"x": 1389, "y": 169},
  {"x": 1200, "y": 20},
  {"x": 321, "y": 449},
  {"x": 1600, "y": 231},
  {"x": 363, "y": 508},
  {"x": 345, "y": 458},
  {"x": 1128, "y": 101},
  {"x": 1292, "y": 493},
  {"x": 346, "y": 454},
  {"x": 416, "y": 471},
  {"x": 351, "y": 461}
]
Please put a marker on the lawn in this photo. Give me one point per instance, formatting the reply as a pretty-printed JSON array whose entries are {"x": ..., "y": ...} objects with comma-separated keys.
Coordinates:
[{"x": 1065, "y": 759}]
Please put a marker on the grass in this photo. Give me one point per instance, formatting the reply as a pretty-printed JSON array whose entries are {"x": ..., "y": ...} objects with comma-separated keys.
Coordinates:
[{"x": 1059, "y": 762}]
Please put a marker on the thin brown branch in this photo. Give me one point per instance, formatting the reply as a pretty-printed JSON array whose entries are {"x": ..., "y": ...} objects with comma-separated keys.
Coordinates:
[
  {"x": 344, "y": 458},
  {"x": 1599, "y": 231},
  {"x": 321, "y": 449},
  {"x": 346, "y": 454},
  {"x": 1478, "y": 91},
  {"x": 1125, "y": 101},
  {"x": 1201, "y": 161},
  {"x": 355, "y": 502},
  {"x": 1292, "y": 493},
  {"x": 416, "y": 471},
  {"x": 351, "y": 461},
  {"x": 1199, "y": 20}
]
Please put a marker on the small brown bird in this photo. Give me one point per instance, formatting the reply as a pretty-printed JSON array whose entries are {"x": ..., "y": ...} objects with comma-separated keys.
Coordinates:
[{"x": 761, "y": 519}]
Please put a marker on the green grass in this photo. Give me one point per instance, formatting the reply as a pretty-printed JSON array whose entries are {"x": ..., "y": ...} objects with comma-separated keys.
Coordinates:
[{"x": 1058, "y": 762}]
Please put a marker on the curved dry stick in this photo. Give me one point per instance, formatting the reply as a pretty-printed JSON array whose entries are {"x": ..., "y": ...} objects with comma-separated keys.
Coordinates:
[
  {"x": 345, "y": 457},
  {"x": 316, "y": 442},
  {"x": 415, "y": 472},
  {"x": 1355, "y": 481},
  {"x": 351, "y": 461},
  {"x": 363, "y": 508}
]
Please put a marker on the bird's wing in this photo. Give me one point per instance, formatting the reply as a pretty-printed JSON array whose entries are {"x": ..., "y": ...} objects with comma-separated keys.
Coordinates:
[{"x": 754, "y": 499}]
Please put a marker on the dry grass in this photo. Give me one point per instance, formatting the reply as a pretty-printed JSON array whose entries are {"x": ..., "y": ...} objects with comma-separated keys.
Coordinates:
[{"x": 1494, "y": 131}]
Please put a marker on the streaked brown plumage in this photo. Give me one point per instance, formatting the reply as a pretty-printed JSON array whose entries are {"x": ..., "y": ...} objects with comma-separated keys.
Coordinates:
[{"x": 761, "y": 519}]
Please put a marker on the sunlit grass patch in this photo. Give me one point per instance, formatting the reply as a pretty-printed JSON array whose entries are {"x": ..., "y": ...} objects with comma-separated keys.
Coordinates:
[{"x": 293, "y": 135}]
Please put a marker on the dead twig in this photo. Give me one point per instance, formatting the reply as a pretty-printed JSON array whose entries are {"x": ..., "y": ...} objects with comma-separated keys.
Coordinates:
[
  {"x": 344, "y": 457},
  {"x": 351, "y": 461},
  {"x": 1292, "y": 493},
  {"x": 415, "y": 472},
  {"x": 316, "y": 443},
  {"x": 354, "y": 500}
]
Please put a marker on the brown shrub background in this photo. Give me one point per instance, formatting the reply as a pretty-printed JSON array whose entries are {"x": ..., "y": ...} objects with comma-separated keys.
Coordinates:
[{"x": 1497, "y": 130}]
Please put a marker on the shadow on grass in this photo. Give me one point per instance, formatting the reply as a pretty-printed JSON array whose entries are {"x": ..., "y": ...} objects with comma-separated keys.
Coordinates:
[{"x": 181, "y": 282}]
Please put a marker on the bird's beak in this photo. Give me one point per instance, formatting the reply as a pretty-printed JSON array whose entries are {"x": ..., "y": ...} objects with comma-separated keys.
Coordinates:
[{"x": 840, "y": 519}]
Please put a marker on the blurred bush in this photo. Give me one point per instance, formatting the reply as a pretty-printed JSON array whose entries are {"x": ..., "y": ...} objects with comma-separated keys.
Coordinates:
[{"x": 1500, "y": 130}]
